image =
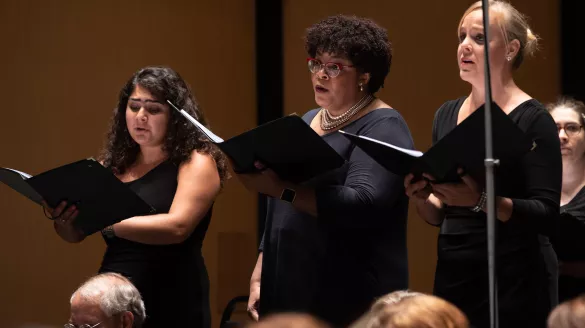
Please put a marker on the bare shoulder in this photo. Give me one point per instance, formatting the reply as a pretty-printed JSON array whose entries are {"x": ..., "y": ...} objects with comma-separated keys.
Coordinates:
[{"x": 200, "y": 164}]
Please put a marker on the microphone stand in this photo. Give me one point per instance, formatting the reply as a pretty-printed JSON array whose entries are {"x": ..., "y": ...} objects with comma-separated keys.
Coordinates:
[{"x": 490, "y": 162}]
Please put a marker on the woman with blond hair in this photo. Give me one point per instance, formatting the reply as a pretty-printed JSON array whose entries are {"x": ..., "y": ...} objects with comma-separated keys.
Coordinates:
[
  {"x": 527, "y": 191},
  {"x": 569, "y": 314},
  {"x": 419, "y": 311}
]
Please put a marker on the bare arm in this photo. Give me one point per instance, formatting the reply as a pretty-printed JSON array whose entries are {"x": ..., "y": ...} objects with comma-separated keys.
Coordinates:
[
  {"x": 431, "y": 210},
  {"x": 198, "y": 185},
  {"x": 428, "y": 206},
  {"x": 254, "y": 300},
  {"x": 257, "y": 273}
]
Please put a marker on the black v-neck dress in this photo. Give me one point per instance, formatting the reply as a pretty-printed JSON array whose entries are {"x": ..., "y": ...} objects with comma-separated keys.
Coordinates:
[{"x": 534, "y": 185}]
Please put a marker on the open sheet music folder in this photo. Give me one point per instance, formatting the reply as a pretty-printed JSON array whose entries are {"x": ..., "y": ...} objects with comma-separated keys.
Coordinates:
[
  {"x": 288, "y": 146},
  {"x": 463, "y": 147},
  {"x": 102, "y": 199}
]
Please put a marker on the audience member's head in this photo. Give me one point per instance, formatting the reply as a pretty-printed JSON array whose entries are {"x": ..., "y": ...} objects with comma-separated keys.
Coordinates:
[
  {"x": 381, "y": 303},
  {"x": 418, "y": 311},
  {"x": 109, "y": 300},
  {"x": 393, "y": 298},
  {"x": 569, "y": 314},
  {"x": 289, "y": 320}
]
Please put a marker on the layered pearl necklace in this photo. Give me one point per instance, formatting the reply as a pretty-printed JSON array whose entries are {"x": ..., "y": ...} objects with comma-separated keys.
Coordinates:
[{"x": 329, "y": 122}]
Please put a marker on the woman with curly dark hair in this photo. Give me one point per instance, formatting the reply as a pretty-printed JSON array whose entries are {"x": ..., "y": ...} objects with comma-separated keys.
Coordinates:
[
  {"x": 167, "y": 162},
  {"x": 334, "y": 244}
]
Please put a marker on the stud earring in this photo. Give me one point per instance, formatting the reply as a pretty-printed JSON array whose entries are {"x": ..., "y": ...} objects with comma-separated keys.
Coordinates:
[{"x": 508, "y": 58}]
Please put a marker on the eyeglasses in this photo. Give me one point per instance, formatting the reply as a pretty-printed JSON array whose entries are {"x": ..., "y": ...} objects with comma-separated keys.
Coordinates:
[
  {"x": 331, "y": 69},
  {"x": 70, "y": 325},
  {"x": 571, "y": 129}
]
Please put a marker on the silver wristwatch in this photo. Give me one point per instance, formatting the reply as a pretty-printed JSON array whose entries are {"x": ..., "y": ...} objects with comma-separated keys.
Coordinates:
[{"x": 108, "y": 232}]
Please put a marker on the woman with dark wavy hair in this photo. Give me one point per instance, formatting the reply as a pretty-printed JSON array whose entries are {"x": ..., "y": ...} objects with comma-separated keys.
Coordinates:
[
  {"x": 334, "y": 244},
  {"x": 174, "y": 168}
]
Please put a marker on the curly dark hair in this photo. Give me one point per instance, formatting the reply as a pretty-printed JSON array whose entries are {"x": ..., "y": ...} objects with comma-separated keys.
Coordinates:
[
  {"x": 182, "y": 137},
  {"x": 358, "y": 39}
]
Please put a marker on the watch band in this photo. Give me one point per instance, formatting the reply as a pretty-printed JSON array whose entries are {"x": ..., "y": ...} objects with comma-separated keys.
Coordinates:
[
  {"x": 288, "y": 195},
  {"x": 480, "y": 203},
  {"x": 108, "y": 232}
]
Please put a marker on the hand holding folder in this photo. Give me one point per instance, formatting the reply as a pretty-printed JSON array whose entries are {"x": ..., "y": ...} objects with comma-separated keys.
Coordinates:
[
  {"x": 101, "y": 198},
  {"x": 463, "y": 147},
  {"x": 287, "y": 145}
]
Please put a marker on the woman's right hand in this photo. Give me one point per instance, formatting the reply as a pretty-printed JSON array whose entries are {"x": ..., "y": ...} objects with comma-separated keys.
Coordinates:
[
  {"x": 419, "y": 190},
  {"x": 254, "y": 300},
  {"x": 63, "y": 218}
]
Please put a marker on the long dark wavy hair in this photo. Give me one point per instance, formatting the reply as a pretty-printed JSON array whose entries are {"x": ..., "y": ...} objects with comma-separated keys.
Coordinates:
[{"x": 182, "y": 137}]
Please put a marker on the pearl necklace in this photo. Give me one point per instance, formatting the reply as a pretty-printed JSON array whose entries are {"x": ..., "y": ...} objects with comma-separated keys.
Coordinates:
[{"x": 329, "y": 122}]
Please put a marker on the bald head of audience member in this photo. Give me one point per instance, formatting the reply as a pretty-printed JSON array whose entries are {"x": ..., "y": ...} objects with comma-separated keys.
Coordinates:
[
  {"x": 569, "y": 314},
  {"x": 107, "y": 300},
  {"x": 289, "y": 320},
  {"x": 417, "y": 311}
]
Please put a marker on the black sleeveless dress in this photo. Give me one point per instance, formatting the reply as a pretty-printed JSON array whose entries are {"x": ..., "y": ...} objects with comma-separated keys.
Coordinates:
[{"x": 172, "y": 279}]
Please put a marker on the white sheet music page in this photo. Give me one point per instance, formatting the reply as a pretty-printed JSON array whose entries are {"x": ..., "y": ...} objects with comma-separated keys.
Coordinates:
[
  {"x": 210, "y": 135},
  {"x": 413, "y": 153}
]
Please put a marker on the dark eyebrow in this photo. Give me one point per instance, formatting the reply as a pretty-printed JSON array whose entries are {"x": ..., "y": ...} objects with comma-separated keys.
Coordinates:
[{"x": 147, "y": 100}]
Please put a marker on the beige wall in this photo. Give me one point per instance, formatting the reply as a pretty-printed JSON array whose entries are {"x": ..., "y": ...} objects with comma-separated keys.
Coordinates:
[
  {"x": 64, "y": 63},
  {"x": 423, "y": 75}
]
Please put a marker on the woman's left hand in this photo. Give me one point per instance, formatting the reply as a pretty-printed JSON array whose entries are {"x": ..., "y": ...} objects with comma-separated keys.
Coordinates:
[
  {"x": 265, "y": 181},
  {"x": 464, "y": 194}
]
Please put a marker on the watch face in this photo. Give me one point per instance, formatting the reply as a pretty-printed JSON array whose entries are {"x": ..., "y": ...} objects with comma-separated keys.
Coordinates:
[{"x": 288, "y": 195}]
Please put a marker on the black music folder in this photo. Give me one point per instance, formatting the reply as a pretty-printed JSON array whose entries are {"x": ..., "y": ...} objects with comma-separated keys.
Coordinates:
[
  {"x": 463, "y": 147},
  {"x": 102, "y": 199},
  {"x": 287, "y": 145}
]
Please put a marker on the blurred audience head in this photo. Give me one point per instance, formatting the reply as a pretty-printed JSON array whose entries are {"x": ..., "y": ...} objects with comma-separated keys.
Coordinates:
[
  {"x": 289, "y": 320},
  {"x": 415, "y": 311},
  {"x": 569, "y": 314}
]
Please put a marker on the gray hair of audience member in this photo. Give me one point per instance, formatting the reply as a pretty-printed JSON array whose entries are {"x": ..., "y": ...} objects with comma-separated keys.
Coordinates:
[
  {"x": 115, "y": 294},
  {"x": 569, "y": 314},
  {"x": 386, "y": 300}
]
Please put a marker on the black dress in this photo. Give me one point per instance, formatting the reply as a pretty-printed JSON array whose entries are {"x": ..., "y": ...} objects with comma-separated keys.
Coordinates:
[
  {"x": 334, "y": 265},
  {"x": 570, "y": 244},
  {"x": 534, "y": 185},
  {"x": 172, "y": 279}
]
